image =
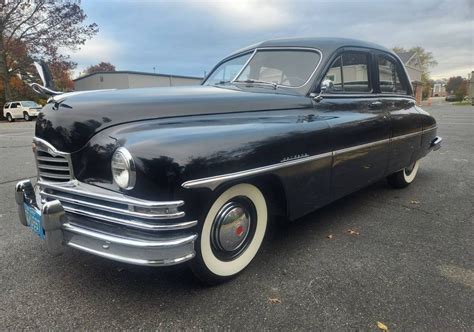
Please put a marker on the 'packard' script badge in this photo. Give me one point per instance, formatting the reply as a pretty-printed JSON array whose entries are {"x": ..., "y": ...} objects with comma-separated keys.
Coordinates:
[{"x": 296, "y": 156}]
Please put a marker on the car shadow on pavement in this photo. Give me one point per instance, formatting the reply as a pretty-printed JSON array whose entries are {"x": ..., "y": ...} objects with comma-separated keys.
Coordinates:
[{"x": 284, "y": 239}]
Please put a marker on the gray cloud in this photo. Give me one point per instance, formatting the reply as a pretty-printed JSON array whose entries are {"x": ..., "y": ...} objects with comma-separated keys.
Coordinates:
[{"x": 189, "y": 37}]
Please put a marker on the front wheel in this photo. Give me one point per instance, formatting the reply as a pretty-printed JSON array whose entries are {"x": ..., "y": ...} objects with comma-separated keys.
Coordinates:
[
  {"x": 231, "y": 234},
  {"x": 404, "y": 177},
  {"x": 26, "y": 116}
]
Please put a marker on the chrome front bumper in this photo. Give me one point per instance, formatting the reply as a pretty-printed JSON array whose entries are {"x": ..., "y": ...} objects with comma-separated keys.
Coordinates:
[{"x": 113, "y": 226}]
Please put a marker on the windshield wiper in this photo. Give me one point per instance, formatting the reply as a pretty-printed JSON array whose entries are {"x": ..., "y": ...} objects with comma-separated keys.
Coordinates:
[
  {"x": 250, "y": 81},
  {"x": 222, "y": 82}
]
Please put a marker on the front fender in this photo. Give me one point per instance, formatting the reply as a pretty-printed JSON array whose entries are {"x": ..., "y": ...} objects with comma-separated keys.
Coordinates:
[{"x": 170, "y": 152}]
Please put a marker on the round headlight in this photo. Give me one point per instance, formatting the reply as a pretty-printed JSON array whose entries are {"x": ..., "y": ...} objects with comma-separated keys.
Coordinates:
[{"x": 123, "y": 168}]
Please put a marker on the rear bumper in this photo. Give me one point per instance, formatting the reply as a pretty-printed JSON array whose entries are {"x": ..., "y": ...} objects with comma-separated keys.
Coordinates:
[
  {"x": 436, "y": 143},
  {"x": 64, "y": 226}
]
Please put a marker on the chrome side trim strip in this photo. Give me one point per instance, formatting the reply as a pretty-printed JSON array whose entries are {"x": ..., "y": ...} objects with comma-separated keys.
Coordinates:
[
  {"x": 112, "y": 209},
  {"x": 74, "y": 187},
  {"x": 397, "y": 138},
  {"x": 129, "y": 241},
  {"x": 360, "y": 147},
  {"x": 213, "y": 181},
  {"x": 430, "y": 128}
]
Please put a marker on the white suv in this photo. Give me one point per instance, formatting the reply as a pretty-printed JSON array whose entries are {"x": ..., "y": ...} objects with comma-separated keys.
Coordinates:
[{"x": 21, "y": 110}]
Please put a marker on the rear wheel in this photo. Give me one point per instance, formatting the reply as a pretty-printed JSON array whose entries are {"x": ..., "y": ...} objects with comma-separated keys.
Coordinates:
[
  {"x": 10, "y": 118},
  {"x": 26, "y": 116},
  {"x": 404, "y": 177},
  {"x": 231, "y": 234}
]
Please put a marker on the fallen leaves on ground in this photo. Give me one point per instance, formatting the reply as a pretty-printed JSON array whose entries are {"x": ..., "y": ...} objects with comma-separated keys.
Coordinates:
[
  {"x": 414, "y": 202},
  {"x": 274, "y": 301},
  {"x": 353, "y": 232},
  {"x": 330, "y": 236},
  {"x": 382, "y": 326}
]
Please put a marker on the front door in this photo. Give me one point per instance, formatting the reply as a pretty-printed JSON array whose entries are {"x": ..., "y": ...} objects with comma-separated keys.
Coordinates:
[{"x": 360, "y": 126}]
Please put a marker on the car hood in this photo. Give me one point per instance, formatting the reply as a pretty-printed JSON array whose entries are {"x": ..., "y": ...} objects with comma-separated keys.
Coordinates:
[{"x": 68, "y": 121}]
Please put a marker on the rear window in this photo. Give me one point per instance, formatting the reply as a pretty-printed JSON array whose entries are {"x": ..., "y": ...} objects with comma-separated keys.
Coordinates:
[
  {"x": 389, "y": 77},
  {"x": 7, "y": 105}
]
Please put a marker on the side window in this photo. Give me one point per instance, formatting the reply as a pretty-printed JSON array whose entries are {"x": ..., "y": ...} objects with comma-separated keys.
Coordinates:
[
  {"x": 14, "y": 105},
  {"x": 389, "y": 76},
  {"x": 349, "y": 73},
  {"x": 7, "y": 105}
]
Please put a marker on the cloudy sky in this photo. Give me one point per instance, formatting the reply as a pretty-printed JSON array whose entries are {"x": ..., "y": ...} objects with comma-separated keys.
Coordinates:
[{"x": 189, "y": 36}]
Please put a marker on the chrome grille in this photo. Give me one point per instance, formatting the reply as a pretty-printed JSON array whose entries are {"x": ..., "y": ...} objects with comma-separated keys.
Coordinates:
[
  {"x": 52, "y": 165},
  {"x": 114, "y": 208}
]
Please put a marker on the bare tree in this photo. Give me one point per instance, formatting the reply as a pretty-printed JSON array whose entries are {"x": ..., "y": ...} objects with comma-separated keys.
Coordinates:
[{"x": 31, "y": 29}]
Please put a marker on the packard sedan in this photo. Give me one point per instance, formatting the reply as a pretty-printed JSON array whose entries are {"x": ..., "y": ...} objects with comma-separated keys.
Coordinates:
[{"x": 163, "y": 176}]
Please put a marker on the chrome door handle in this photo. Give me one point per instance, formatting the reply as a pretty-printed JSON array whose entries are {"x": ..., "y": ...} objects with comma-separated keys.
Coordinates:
[{"x": 375, "y": 104}]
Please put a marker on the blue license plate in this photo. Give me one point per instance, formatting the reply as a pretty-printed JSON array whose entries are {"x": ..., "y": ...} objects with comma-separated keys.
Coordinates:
[{"x": 33, "y": 218}]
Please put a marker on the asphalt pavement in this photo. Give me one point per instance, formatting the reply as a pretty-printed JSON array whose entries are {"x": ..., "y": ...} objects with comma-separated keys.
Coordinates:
[{"x": 408, "y": 261}]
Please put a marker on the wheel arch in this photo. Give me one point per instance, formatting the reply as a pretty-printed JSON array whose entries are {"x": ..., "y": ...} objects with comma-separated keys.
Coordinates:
[{"x": 271, "y": 187}]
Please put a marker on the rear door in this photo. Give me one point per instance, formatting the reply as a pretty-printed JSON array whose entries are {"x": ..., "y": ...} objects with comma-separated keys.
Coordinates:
[
  {"x": 360, "y": 128},
  {"x": 395, "y": 94}
]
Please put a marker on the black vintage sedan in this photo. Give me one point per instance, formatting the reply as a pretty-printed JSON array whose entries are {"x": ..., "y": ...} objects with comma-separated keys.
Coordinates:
[{"x": 163, "y": 176}]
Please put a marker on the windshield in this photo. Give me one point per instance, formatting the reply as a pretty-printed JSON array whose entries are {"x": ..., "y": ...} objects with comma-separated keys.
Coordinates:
[
  {"x": 29, "y": 104},
  {"x": 289, "y": 68},
  {"x": 283, "y": 67},
  {"x": 227, "y": 71}
]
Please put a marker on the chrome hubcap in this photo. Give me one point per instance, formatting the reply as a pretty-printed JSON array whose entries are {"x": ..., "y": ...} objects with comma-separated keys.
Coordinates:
[{"x": 231, "y": 227}]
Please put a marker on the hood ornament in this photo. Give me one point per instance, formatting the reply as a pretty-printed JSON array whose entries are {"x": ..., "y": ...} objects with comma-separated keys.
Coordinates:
[{"x": 45, "y": 74}]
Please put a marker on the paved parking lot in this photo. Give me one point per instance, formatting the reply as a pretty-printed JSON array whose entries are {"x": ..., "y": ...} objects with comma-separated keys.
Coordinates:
[{"x": 411, "y": 266}]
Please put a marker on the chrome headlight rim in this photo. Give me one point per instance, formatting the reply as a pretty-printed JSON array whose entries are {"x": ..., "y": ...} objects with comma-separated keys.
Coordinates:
[{"x": 130, "y": 165}]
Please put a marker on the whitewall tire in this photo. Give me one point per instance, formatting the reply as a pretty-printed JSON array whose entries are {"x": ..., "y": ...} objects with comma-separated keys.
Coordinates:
[
  {"x": 404, "y": 177},
  {"x": 231, "y": 234}
]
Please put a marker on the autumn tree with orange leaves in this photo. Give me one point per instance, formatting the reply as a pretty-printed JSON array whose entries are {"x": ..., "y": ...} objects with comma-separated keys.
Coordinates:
[{"x": 32, "y": 30}]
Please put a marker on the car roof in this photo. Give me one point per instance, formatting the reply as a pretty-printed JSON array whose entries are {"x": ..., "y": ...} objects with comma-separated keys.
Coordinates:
[{"x": 326, "y": 45}]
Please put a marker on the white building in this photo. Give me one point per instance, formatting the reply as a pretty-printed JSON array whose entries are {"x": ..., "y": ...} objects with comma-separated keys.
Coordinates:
[{"x": 131, "y": 80}]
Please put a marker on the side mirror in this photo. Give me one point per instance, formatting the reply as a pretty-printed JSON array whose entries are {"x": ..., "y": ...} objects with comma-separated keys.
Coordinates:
[{"x": 326, "y": 85}]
